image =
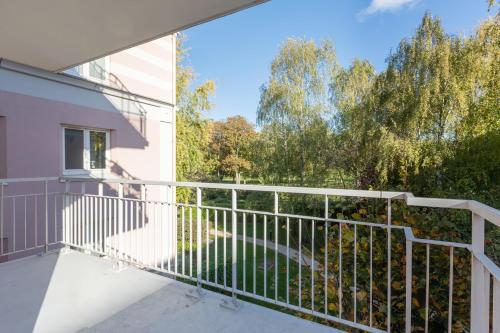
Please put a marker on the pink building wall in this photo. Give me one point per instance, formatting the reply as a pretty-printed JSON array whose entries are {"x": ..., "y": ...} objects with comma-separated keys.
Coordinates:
[
  {"x": 3, "y": 147},
  {"x": 36, "y": 105},
  {"x": 156, "y": 62}
]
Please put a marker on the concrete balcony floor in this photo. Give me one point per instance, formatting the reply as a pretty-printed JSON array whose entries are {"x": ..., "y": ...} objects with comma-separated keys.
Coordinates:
[{"x": 77, "y": 292}]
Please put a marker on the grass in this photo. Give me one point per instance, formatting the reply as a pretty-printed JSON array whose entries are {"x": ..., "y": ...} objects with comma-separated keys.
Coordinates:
[{"x": 245, "y": 269}]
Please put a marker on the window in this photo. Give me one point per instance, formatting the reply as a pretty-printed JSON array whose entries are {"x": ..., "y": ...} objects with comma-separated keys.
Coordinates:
[
  {"x": 96, "y": 70},
  {"x": 97, "y": 150},
  {"x": 73, "y": 149},
  {"x": 86, "y": 151}
]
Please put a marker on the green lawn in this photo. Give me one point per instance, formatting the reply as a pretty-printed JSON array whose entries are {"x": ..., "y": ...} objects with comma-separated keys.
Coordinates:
[{"x": 247, "y": 274}]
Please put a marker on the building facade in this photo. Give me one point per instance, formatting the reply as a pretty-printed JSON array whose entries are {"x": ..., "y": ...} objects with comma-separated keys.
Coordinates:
[{"x": 111, "y": 117}]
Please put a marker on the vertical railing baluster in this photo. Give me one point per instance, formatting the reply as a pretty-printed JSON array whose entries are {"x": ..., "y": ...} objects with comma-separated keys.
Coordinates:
[
  {"x": 207, "y": 212},
  {"x": 92, "y": 222},
  {"x": 13, "y": 225},
  {"x": 176, "y": 228},
  {"x": 81, "y": 213},
  {"x": 136, "y": 231},
  {"x": 198, "y": 237},
  {"x": 496, "y": 305},
  {"x": 326, "y": 256},
  {"x": 244, "y": 252},
  {"x": 408, "y": 291},
  {"x": 355, "y": 280},
  {"x": 312, "y": 265},
  {"x": 183, "y": 244},
  {"x": 234, "y": 254},
  {"x": 46, "y": 196},
  {"x": 25, "y": 220},
  {"x": 190, "y": 241},
  {"x": 36, "y": 221},
  {"x": 85, "y": 222},
  {"x": 254, "y": 264},
  {"x": 300, "y": 263},
  {"x": 162, "y": 237},
  {"x": 224, "y": 249},
  {"x": 67, "y": 221},
  {"x": 265, "y": 256},
  {"x": 450, "y": 293},
  {"x": 478, "y": 296},
  {"x": 2, "y": 194},
  {"x": 107, "y": 226},
  {"x": 427, "y": 276},
  {"x": 155, "y": 233},
  {"x": 114, "y": 205},
  {"x": 216, "y": 261},
  {"x": 276, "y": 211},
  {"x": 55, "y": 218},
  {"x": 389, "y": 273},
  {"x": 487, "y": 299},
  {"x": 120, "y": 221},
  {"x": 100, "y": 238},
  {"x": 143, "y": 224},
  {"x": 340, "y": 271},
  {"x": 287, "y": 260},
  {"x": 371, "y": 278}
]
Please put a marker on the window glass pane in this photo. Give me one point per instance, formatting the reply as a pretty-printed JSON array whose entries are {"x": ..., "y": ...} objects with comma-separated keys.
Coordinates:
[
  {"x": 97, "y": 69},
  {"x": 97, "y": 150},
  {"x": 73, "y": 149}
]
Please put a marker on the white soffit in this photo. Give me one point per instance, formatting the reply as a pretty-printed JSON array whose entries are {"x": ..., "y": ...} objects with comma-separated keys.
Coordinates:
[{"x": 58, "y": 34}]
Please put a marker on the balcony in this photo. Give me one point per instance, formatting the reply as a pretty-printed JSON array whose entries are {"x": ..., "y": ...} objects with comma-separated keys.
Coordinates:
[{"x": 101, "y": 255}]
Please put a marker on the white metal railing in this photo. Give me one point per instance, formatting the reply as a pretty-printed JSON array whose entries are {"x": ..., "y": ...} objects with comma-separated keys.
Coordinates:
[
  {"x": 30, "y": 216},
  {"x": 274, "y": 256}
]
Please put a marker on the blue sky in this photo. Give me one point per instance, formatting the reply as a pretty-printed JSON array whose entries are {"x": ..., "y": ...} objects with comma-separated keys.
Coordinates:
[{"x": 236, "y": 51}]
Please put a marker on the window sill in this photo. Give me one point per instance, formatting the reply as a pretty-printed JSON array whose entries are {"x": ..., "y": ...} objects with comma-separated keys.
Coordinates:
[{"x": 93, "y": 174}]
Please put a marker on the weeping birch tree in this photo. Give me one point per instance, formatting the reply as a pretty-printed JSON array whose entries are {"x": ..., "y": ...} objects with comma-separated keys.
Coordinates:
[{"x": 293, "y": 109}]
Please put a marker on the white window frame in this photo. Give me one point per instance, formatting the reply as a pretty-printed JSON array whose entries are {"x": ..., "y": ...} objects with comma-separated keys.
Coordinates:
[
  {"x": 84, "y": 71},
  {"x": 86, "y": 171}
]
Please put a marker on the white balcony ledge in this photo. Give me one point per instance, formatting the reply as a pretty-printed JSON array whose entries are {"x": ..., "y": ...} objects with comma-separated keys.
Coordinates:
[{"x": 78, "y": 292}]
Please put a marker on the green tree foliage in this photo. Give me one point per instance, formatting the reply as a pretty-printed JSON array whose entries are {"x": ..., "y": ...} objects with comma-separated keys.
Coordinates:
[
  {"x": 231, "y": 145},
  {"x": 401, "y": 128},
  {"x": 193, "y": 129},
  {"x": 292, "y": 111}
]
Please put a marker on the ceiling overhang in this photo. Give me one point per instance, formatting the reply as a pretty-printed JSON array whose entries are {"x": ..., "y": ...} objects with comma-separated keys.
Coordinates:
[{"x": 58, "y": 34}]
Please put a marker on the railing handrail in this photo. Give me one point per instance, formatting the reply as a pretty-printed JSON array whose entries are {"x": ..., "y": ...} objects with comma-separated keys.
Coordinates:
[
  {"x": 488, "y": 213},
  {"x": 6, "y": 181}
]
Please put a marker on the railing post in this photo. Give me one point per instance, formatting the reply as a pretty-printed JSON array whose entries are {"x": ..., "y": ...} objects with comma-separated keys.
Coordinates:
[
  {"x": 143, "y": 224},
  {"x": 234, "y": 230},
  {"x": 496, "y": 306},
  {"x": 100, "y": 223},
  {"x": 276, "y": 229},
  {"x": 198, "y": 238},
  {"x": 389, "y": 277},
  {"x": 479, "y": 320},
  {"x": 46, "y": 192},
  {"x": 1, "y": 216},
  {"x": 120, "y": 223},
  {"x": 67, "y": 221},
  {"x": 409, "y": 283}
]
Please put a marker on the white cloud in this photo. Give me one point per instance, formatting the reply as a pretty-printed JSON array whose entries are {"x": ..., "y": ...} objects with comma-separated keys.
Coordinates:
[{"x": 380, "y": 6}]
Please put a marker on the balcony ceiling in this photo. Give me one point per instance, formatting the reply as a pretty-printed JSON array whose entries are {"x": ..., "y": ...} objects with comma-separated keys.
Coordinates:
[{"x": 58, "y": 34}]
